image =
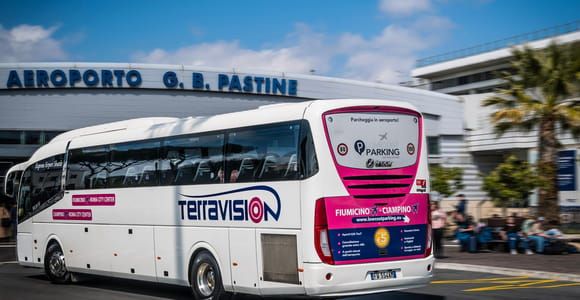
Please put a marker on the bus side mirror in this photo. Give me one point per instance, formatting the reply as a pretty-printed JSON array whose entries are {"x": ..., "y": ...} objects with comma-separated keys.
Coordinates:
[{"x": 8, "y": 189}]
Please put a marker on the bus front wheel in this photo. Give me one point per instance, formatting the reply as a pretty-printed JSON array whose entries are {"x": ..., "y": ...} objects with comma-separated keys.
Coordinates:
[
  {"x": 205, "y": 277},
  {"x": 54, "y": 265}
]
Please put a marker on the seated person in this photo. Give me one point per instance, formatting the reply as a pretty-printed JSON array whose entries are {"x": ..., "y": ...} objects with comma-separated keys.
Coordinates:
[
  {"x": 484, "y": 234},
  {"x": 465, "y": 233},
  {"x": 234, "y": 175},
  {"x": 512, "y": 234},
  {"x": 553, "y": 231},
  {"x": 536, "y": 234},
  {"x": 220, "y": 176}
]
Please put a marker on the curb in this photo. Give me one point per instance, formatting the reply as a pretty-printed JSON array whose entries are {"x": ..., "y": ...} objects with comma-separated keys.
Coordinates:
[{"x": 508, "y": 271}]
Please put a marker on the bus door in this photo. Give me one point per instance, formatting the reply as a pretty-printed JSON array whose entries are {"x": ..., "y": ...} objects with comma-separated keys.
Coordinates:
[{"x": 24, "y": 236}]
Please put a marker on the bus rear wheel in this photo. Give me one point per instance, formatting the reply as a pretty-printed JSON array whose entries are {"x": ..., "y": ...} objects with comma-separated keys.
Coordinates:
[
  {"x": 55, "y": 266},
  {"x": 205, "y": 277}
]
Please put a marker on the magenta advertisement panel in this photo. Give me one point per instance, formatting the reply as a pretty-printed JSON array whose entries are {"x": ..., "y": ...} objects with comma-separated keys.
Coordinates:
[
  {"x": 348, "y": 212},
  {"x": 72, "y": 214},
  {"x": 380, "y": 230},
  {"x": 94, "y": 200}
]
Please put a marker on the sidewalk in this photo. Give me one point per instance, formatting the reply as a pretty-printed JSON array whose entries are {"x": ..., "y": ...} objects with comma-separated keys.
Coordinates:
[{"x": 565, "y": 264}]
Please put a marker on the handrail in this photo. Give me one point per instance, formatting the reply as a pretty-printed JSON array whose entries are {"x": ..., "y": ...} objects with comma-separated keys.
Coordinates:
[{"x": 503, "y": 43}]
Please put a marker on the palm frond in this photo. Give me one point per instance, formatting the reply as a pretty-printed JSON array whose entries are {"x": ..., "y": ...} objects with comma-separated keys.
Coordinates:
[
  {"x": 528, "y": 67},
  {"x": 513, "y": 115},
  {"x": 568, "y": 116},
  {"x": 498, "y": 101},
  {"x": 536, "y": 88},
  {"x": 501, "y": 127}
]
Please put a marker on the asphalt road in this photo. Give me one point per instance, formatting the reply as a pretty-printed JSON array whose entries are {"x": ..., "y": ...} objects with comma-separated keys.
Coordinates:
[{"x": 17, "y": 282}]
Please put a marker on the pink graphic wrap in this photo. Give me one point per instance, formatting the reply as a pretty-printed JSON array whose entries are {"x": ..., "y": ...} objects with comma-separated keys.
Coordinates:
[
  {"x": 377, "y": 198},
  {"x": 94, "y": 200},
  {"x": 72, "y": 214}
]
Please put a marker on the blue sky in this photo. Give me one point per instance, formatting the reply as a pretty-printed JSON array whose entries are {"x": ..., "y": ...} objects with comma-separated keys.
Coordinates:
[{"x": 364, "y": 39}]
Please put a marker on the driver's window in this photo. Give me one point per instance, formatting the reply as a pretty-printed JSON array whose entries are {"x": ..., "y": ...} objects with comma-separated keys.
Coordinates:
[{"x": 24, "y": 203}]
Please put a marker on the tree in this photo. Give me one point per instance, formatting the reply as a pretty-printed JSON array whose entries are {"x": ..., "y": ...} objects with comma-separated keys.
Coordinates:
[
  {"x": 510, "y": 183},
  {"x": 539, "y": 95},
  {"x": 446, "y": 181}
]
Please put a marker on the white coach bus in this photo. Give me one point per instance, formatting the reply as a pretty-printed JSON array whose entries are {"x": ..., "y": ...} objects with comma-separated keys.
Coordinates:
[{"x": 320, "y": 198}]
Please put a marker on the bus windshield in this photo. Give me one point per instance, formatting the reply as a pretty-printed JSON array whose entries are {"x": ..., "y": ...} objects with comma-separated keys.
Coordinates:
[{"x": 373, "y": 140}]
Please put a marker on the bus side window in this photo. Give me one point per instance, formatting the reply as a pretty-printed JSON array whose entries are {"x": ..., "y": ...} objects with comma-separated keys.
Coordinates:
[
  {"x": 308, "y": 159},
  {"x": 44, "y": 183},
  {"x": 133, "y": 164},
  {"x": 263, "y": 153},
  {"x": 292, "y": 167},
  {"x": 194, "y": 159},
  {"x": 186, "y": 172},
  {"x": 88, "y": 168}
]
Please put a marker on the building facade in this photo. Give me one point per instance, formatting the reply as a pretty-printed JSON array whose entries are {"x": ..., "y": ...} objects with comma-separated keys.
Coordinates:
[
  {"x": 472, "y": 75},
  {"x": 40, "y": 100}
]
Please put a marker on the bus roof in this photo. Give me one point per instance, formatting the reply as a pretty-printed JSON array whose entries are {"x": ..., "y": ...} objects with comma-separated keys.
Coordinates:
[
  {"x": 113, "y": 126},
  {"x": 148, "y": 128}
]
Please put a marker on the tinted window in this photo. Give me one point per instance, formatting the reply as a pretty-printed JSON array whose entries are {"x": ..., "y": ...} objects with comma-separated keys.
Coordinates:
[
  {"x": 24, "y": 203},
  {"x": 263, "y": 153},
  {"x": 32, "y": 137},
  {"x": 46, "y": 176},
  {"x": 9, "y": 137},
  {"x": 433, "y": 145},
  {"x": 133, "y": 164},
  {"x": 40, "y": 186},
  {"x": 88, "y": 168},
  {"x": 192, "y": 160},
  {"x": 308, "y": 160}
]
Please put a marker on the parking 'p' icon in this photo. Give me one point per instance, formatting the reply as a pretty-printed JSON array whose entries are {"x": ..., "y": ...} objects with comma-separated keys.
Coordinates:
[
  {"x": 359, "y": 146},
  {"x": 342, "y": 149}
]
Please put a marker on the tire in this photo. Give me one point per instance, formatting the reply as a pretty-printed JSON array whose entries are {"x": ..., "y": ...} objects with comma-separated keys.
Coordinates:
[
  {"x": 205, "y": 277},
  {"x": 55, "y": 266}
]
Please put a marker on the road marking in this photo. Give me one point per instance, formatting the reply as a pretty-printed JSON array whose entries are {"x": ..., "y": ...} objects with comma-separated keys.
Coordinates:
[
  {"x": 508, "y": 283},
  {"x": 7, "y": 246},
  {"x": 508, "y": 271},
  {"x": 480, "y": 280},
  {"x": 8, "y": 262}
]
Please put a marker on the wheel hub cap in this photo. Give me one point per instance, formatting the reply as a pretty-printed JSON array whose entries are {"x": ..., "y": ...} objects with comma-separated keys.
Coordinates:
[
  {"x": 205, "y": 278},
  {"x": 56, "y": 264}
]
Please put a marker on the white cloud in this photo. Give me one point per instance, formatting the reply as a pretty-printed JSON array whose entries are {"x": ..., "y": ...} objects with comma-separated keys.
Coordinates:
[
  {"x": 385, "y": 57},
  {"x": 404, "y": 7},
  {"x": 303, "y": 50},
  {"x": 29, "y": 43}
]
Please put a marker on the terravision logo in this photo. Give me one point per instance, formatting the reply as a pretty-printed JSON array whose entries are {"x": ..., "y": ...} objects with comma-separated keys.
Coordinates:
[{"x": 204, "y": 208}]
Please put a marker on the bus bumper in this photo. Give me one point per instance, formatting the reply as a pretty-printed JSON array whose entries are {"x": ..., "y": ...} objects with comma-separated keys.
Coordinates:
[{"x": 354, "y": 279}]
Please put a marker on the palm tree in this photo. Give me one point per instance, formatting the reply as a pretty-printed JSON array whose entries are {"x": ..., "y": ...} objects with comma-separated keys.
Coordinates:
[{"x": 539, "y": 94}]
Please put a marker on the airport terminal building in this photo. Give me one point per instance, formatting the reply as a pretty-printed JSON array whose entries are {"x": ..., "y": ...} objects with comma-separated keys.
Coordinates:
[
  {"x": 472, "y": 75},
  {"x": 40, "y": 100}
]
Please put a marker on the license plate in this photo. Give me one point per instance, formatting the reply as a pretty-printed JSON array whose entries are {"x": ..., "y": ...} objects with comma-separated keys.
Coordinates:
[{"x": 383, "y": 274}]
